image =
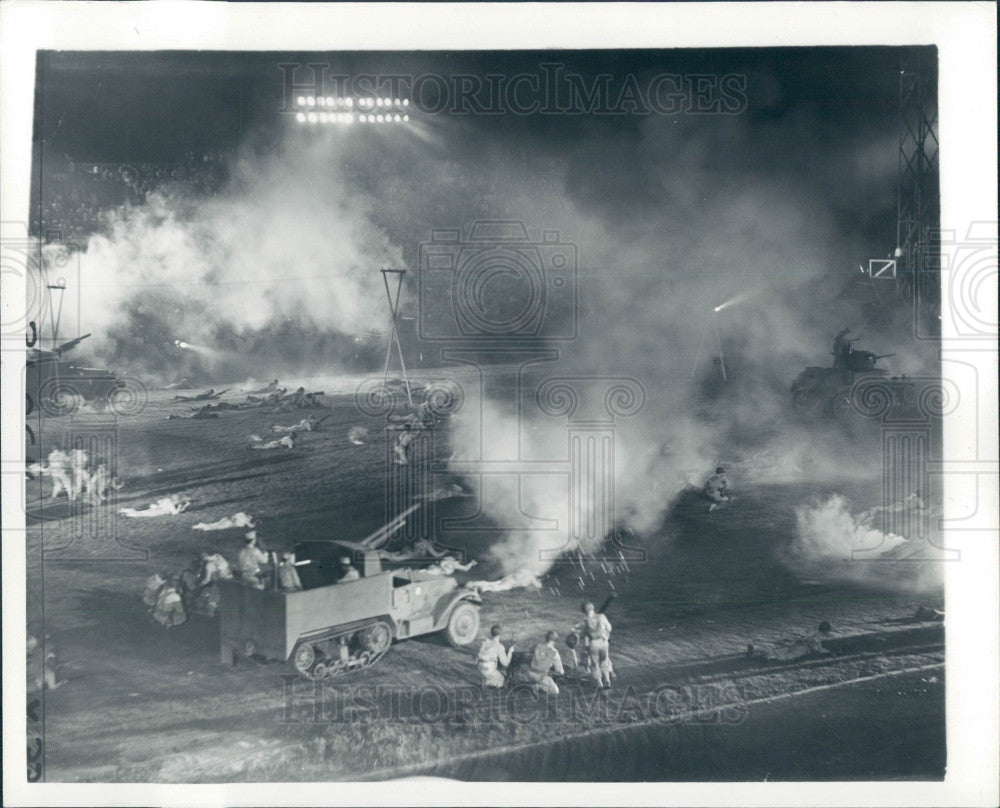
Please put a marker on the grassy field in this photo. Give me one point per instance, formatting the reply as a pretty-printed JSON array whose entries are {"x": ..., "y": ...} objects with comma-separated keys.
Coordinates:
[{"x": 147, "y": 704}]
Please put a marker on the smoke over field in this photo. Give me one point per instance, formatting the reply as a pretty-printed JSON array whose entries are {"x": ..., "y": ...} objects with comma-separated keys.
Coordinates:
[{"x": 701, "y": 239}]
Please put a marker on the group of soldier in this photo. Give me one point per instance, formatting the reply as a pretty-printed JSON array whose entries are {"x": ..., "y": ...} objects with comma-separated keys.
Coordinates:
[
  {"x": 545, "y": 661},
  {"x": 271, "y": 397},
  {"x": 79, "y": 474},
  {"x": 170, "y": 597}
]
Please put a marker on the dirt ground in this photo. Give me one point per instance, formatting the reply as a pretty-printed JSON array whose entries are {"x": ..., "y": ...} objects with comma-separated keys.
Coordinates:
[{"x": 146, "y": 704}]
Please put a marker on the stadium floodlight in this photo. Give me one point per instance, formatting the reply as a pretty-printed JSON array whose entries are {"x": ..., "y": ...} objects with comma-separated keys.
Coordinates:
[
  {"x": 406, "y": 102},
  {"x": 332, "y": 109}
]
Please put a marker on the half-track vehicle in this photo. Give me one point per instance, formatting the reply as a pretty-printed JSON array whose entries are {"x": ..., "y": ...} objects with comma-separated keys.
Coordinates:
[{"x": 328, "y": 628}]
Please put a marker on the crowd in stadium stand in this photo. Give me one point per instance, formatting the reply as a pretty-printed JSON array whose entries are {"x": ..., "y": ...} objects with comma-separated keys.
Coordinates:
[{"x": 76, "y": 197}]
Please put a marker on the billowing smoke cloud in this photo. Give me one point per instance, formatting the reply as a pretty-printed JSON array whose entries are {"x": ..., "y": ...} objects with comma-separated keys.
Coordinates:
[
  {"x": 834, "y": 544},
  {"x": 672, "y": 217},
  {"x": 286, "y": 248},
  {"x": 708, "y": 227}
]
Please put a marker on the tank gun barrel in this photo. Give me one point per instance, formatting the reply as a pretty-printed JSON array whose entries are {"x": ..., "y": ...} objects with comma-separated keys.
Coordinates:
[
  {"x": 67, "y": 346},
  {"x": 884, "y": 356}
]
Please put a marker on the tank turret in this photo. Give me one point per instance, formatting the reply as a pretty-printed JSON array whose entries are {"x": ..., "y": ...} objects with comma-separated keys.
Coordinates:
[{"x": 827, "y": 390}]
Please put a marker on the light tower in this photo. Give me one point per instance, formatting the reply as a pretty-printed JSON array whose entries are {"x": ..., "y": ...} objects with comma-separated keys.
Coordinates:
[
  {"x": 394, "y": 334},
  {"x": 918, "y": 211}
]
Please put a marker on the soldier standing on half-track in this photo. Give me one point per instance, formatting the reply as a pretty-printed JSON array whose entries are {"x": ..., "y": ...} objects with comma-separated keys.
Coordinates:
[{"x": 248, "y": 561}]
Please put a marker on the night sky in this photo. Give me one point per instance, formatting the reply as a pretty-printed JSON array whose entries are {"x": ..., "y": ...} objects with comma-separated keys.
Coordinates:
[{"x": 775, "y": 183}]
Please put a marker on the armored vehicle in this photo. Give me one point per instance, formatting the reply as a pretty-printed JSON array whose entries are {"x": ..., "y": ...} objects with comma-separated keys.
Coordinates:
[
  {"x": 329, "y": 628},
  {"x": 827, "y": 391},
  {"x": 59, "y": 386}
]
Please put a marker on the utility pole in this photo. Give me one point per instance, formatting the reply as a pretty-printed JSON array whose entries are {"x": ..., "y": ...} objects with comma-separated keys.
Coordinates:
[{"x": 394, "y": 334}]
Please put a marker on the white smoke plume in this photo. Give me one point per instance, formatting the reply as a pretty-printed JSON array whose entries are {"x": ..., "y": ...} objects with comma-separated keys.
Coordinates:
[
  {"x": 286, "y": 241},
  {"x": 671, "y": 220},
  {"x": 833, "y": 544}
]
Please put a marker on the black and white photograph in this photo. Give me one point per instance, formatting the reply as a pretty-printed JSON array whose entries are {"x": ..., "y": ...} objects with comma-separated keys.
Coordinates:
[{"x": 525, "y": 416}]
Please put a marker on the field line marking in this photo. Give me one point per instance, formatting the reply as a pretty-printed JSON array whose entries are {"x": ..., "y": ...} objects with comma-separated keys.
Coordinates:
[{"x": 674, "y": 720}]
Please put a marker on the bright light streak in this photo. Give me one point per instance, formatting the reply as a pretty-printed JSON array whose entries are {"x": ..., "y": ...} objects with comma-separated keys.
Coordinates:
[{"x": 732, "y": 301}]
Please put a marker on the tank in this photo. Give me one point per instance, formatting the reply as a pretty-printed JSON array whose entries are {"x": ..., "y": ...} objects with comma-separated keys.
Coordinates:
[
  {"x": 827, "y": 391},
  {"x": 59, "y": 386}
]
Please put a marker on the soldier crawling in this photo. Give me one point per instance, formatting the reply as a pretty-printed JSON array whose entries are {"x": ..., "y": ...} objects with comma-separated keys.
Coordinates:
[
  {"x": 287, "y": 442},
  {"x": 717, "y": 488}
]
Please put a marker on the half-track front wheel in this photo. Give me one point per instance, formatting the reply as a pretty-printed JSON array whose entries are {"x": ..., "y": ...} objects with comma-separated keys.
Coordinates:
[
  {"x": 303, "y": 659},
  {"x": 463, "y": 625}
]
